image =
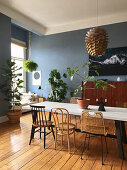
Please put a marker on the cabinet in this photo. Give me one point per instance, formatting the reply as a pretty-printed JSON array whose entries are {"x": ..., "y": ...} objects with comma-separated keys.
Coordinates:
[{"x": 116, "y": 97}]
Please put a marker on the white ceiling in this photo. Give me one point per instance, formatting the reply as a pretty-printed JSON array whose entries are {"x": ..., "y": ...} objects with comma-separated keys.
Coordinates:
[{"x": 55, "y": 16}]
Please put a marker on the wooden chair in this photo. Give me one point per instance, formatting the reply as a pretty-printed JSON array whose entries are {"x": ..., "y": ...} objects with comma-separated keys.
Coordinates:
[
  {"x": 39, "y": 121},
  {"x": 63, "y": 127},
  {"x": 93, "y": 124}
]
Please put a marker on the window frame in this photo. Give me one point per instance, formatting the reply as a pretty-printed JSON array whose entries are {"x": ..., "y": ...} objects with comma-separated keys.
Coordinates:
[{"x": 23, "y": 45}]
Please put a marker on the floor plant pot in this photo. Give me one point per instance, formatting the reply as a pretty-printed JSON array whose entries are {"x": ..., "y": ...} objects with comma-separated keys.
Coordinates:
[
  {"x": 83, "y": 103},
  {"x": 14, "y": 115}
]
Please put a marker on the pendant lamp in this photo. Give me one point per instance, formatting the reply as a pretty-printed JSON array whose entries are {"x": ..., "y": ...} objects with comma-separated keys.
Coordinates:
[
  {"x": 30, "y": 65},
  {"x": 96, "y": 40}
]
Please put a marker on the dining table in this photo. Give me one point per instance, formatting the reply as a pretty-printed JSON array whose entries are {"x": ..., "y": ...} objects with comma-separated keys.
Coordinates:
[{"x": 117, "y": 114}]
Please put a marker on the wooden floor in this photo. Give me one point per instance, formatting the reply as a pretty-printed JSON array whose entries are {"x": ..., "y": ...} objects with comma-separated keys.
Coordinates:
[{"x": 15, "y": 152}]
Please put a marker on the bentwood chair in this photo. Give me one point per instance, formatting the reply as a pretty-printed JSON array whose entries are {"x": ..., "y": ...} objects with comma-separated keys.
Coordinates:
[
  {"x": 39, "y": 122},
  {"x": 63, "y": 127},
  {"x": 92, "y": 123}
]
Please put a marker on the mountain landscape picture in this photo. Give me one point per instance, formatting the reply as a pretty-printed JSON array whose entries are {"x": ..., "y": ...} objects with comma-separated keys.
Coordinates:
[{"x": 113, "y": 62}]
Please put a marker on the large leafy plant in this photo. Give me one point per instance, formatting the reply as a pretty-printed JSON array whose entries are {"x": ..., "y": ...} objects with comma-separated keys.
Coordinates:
[
  {"x": 58, "y": 87},
  {"x": 75, "y": 71},
  {"x": 11, "y": 83}
]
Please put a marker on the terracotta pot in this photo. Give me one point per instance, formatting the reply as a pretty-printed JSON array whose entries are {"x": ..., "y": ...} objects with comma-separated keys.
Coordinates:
[
  {"x": 83, "y": 103},
  {"x": 14, "y": 115}
]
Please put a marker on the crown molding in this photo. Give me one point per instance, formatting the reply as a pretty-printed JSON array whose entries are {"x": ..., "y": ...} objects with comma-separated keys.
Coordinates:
[
  {"x": 91, "y": 22},
  {"x": 22, "y": 20},
  {"x": 40, "y": 29}
]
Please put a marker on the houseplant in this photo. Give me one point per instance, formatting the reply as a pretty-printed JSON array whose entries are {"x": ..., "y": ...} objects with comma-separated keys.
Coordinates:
[
  {"x": 58, "y": 86},
  {"x": 10, "y": 88},
  {"x": 83, "y": 102},
  {"x": 30, "y": 65}
]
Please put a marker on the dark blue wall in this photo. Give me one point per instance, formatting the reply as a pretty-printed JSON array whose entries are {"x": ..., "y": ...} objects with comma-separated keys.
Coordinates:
[
  {"x": 5, "y": 52},
  {"x": 19, "y": 33},
  {"x": 68, "y": 49}
]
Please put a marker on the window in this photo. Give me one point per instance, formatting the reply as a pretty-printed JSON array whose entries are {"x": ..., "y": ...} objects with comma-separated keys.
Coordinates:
[{"x": 18, "y": 56}]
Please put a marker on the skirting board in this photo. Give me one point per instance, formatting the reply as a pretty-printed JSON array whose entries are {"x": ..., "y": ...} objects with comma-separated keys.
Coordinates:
[{"x": 3, "y": 119}]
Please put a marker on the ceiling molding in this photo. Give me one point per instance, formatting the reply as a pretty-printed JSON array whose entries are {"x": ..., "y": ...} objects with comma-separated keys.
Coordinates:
[
  {"x": 39, "y": 28},
  {"x": 91, "y": 22},
  {"x": 22, "y": 19}
]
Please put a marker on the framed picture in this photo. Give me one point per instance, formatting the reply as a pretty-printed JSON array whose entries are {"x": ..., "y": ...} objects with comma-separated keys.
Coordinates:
[
  {"x": 37, "y": 78},
  {"x": 113, "y": 62}
]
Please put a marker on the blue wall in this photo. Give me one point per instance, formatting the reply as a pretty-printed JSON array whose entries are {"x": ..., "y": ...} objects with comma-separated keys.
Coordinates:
[
  {"x": 68, "y": 50},
  {"x": 19, "y": 33},
  {"x": 5, "y": 52}
]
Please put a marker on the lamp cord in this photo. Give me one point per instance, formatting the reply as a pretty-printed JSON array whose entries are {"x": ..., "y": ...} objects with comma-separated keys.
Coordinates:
[
  {"x": 29, "y": 45},
  {"x": 97, "y": 12}
]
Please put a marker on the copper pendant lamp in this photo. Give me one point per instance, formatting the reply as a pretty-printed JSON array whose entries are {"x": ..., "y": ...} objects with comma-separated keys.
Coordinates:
[{"x": 96, "y": 40}]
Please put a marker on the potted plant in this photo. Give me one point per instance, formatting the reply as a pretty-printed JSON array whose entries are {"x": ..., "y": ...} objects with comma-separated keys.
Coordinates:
[
  {"x": 83, "y": 102},
  {"x": 10, "y": 88},
  {"x": 58, "y": 87},
  {"x": 30, "y": 65}
]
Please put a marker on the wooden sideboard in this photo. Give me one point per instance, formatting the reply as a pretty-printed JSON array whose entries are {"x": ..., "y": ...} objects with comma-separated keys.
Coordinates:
[{"x": 116, "y": 97}]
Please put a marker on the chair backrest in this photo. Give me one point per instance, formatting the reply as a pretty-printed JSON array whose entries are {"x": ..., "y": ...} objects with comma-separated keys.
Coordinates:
[
  {"x": 93, "y": 122},
  {"x": 60, "y": 116},
  {"x": 39, "y": 116}
]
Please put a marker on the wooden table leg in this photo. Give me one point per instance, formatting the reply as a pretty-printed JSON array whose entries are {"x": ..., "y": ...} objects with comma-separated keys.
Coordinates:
[
  {"x": 123, "y": 132},
  {"x": 119, "y": 138}
]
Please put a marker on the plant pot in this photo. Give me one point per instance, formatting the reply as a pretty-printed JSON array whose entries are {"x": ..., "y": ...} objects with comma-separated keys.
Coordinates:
[
  {"x": 14, "y": 115},
  {"x": 83, "y": 103}
]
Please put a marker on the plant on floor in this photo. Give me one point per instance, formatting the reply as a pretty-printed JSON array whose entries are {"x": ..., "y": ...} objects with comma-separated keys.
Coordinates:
[
  {"x": 11, "y": 84},
  {"x": 58, "y": 86}
]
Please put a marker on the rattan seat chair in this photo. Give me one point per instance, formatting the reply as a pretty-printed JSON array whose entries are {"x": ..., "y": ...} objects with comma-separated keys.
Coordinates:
[
  {"x": 63, "y": 126},
  {"x": 92, "y": 123},
  {"x": 39, "y": 122}
]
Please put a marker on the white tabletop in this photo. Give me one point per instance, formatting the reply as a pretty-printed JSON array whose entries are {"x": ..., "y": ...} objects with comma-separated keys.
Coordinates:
[{"x": 112, "y": 113}]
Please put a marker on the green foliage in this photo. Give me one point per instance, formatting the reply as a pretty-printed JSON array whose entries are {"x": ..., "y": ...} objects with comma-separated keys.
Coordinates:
[
  {"x": 30, "y": 66},
  {"x": 102, "y": 84},
  {"x": 58, "y": 87},
  {"x": 85, "y": 78},
  {"x": 11, "y": 83}
]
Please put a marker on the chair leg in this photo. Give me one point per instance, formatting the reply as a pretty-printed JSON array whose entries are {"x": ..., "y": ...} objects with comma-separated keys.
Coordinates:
[
  {"x": 32, "y": 134},
  {"x": 84, "y": 146},
  {"x": 44, "y": 136},
  {"x": 40, "y": 132},
  {"x": 55, "y": 138},
  {"x": 106, "y": 145},
  {"x": 74, "y": 138},
  {"x": 102, "y": 150},
  {"x": 61, "y": 139},
  {"x": 88, "y": 141},
  {"x": 75, "y": 123},
  {"x": 53, "y": 132},
  {"x": 68, "y": 143}
]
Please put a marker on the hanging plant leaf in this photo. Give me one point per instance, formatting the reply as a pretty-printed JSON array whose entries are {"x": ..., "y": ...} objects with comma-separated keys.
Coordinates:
[{"x": 30, "y": 65}]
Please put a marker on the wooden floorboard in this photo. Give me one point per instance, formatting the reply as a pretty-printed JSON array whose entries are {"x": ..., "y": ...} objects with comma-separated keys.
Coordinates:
[{"x": 16, "y": 153}]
